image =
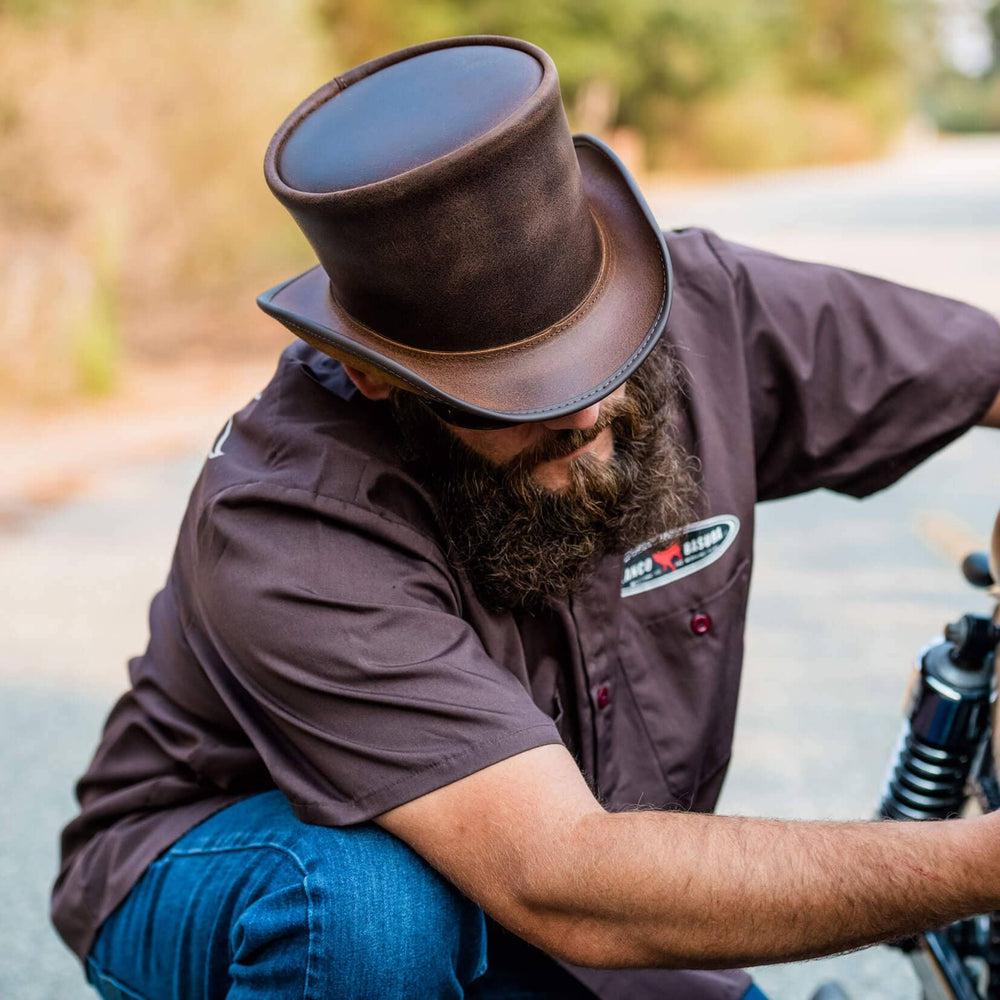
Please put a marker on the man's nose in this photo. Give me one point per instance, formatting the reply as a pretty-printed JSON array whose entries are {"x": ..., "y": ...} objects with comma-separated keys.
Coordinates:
[{"x": 580, "y": 420}]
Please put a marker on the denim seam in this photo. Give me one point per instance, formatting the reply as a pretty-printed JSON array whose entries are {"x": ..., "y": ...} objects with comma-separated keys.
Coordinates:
[
  {"x": 257, "y": 845},
  {"x": 118, "y": 984}
]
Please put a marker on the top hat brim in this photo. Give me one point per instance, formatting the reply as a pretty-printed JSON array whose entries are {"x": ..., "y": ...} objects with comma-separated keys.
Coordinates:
[{"x": 564, "y": 368}]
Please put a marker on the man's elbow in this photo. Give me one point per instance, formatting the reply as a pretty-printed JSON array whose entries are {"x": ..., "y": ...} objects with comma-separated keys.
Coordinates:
[
  {"x": 572, "y": 938},
  {"x": 552, "y": 905},
  {"x": 580, "y": 939}
]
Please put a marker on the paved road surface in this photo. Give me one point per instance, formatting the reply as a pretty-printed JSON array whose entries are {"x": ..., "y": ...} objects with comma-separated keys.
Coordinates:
[{"x": 844, "y": 593}]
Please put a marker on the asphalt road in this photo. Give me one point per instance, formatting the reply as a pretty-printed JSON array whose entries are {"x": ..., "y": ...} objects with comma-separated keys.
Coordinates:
[{"x": 844, "y": 593}]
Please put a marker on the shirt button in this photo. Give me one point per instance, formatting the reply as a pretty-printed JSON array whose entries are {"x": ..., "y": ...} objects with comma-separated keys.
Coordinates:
[
  {"x": 603, "y": 696},
  {"x": 701, "y": 623}
]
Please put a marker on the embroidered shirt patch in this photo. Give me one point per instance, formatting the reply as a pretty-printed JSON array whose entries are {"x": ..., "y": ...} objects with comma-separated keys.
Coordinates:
[{"x": 671, "y": 557}]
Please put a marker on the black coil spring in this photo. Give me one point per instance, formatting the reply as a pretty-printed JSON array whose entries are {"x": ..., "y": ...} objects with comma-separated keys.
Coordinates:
[{"x": 925, "y": 782}]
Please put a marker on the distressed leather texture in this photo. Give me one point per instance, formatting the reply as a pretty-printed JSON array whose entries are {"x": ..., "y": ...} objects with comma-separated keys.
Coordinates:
[{"x": 469, "y": 247}]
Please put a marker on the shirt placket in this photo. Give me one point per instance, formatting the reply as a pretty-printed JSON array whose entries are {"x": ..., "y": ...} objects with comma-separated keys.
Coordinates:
[{"x": 594, "y": 615}]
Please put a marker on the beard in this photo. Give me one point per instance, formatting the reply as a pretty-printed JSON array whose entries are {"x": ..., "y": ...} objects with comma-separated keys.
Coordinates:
[{"x": 521, "y": 543}]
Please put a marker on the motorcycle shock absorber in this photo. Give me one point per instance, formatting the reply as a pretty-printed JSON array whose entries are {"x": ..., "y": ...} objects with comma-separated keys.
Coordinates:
[{"x": 947, "y": 717}]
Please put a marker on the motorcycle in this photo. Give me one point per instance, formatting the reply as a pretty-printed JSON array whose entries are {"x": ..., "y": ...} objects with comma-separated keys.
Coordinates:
[{"x": 947, "y": 763}]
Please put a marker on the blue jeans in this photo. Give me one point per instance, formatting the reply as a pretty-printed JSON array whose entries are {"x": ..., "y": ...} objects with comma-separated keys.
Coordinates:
[{"x": 254, "y": 903}]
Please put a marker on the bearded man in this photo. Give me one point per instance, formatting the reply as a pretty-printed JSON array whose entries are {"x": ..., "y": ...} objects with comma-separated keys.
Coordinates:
[{"x": 465, "y": 586}]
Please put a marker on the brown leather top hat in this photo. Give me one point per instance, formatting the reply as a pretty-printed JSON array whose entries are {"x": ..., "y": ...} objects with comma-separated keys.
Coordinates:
[{"x": 470, "y": 248}]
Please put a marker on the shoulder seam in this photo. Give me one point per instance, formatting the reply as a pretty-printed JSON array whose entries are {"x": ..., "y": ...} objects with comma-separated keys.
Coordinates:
[
  {"x": 708, "y": 238},
  {"x": 266, "y": 487}
]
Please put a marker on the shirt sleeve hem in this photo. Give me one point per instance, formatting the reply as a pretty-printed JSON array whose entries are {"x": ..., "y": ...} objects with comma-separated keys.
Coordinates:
[
  {"x": 980, "y": 358},
  {"x": 428, "y": 779}
]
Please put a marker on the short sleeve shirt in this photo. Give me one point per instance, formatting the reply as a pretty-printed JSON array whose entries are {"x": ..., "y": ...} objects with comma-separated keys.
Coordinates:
[{"x": 312, "y": 636}]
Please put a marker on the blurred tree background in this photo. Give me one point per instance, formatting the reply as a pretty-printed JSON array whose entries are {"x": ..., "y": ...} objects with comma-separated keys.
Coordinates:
[
  {"x": 695, "y": 83},
  {"x": 135, "y": 225},
  {"x": 966, "y": 97}
]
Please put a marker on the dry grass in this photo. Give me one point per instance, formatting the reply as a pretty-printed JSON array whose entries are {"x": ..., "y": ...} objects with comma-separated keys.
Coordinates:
[{"x": 134, "y": 215}]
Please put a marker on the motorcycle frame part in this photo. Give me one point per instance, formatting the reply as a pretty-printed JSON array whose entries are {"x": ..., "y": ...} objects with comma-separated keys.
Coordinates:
[{"x": 941, "y": 969}]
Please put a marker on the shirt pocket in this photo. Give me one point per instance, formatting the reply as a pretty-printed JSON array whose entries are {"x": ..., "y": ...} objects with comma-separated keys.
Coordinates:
[{"x": 681, "y": 667}]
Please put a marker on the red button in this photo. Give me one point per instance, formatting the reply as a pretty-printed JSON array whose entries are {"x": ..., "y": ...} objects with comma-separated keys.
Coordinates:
[
  {"x": 603, "y": 696},
  {"x": 700, "y": 623}
]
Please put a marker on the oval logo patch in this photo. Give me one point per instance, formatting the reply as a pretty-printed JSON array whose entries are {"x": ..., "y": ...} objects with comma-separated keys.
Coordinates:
[{"x": 667, "y": 558}]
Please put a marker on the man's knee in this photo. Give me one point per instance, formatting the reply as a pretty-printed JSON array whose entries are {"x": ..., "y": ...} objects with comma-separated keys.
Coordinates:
[{"x": 382, "y": 921}]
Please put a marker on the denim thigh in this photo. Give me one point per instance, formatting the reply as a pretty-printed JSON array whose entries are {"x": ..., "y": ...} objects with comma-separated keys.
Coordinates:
[{"x": 253, "y": 903}]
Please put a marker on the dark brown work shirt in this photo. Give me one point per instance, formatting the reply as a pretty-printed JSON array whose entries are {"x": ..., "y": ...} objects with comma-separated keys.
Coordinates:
[{"x": 312, "y": 635}]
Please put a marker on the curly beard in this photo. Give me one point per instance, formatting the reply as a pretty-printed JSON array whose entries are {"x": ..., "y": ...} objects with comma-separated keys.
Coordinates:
[{"x": 521, "y": 543}]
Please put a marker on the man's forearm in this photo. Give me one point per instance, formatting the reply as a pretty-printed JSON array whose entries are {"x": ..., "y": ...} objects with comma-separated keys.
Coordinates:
[{"x": 687, "y": 890}]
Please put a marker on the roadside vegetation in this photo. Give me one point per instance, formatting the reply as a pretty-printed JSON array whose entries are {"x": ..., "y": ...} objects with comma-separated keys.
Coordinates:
[{"x": 134, "y": 220}]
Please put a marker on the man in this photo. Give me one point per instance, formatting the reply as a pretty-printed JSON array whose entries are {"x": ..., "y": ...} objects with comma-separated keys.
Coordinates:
[{"x": 465, "y": 586}]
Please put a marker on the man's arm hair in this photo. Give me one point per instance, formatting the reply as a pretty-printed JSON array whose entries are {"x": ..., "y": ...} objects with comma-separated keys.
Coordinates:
[{"x": 529, "y": 843}]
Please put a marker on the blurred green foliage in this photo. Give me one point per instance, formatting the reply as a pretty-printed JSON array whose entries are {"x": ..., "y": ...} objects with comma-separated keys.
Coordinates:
[
  {"x": 95, "y": 343},
  {"x": 95, "y": 338},
  {"x": 30, "y": 9},
  {"x": 959, "y": 103},
  {"x": 674, "y": 70}
]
